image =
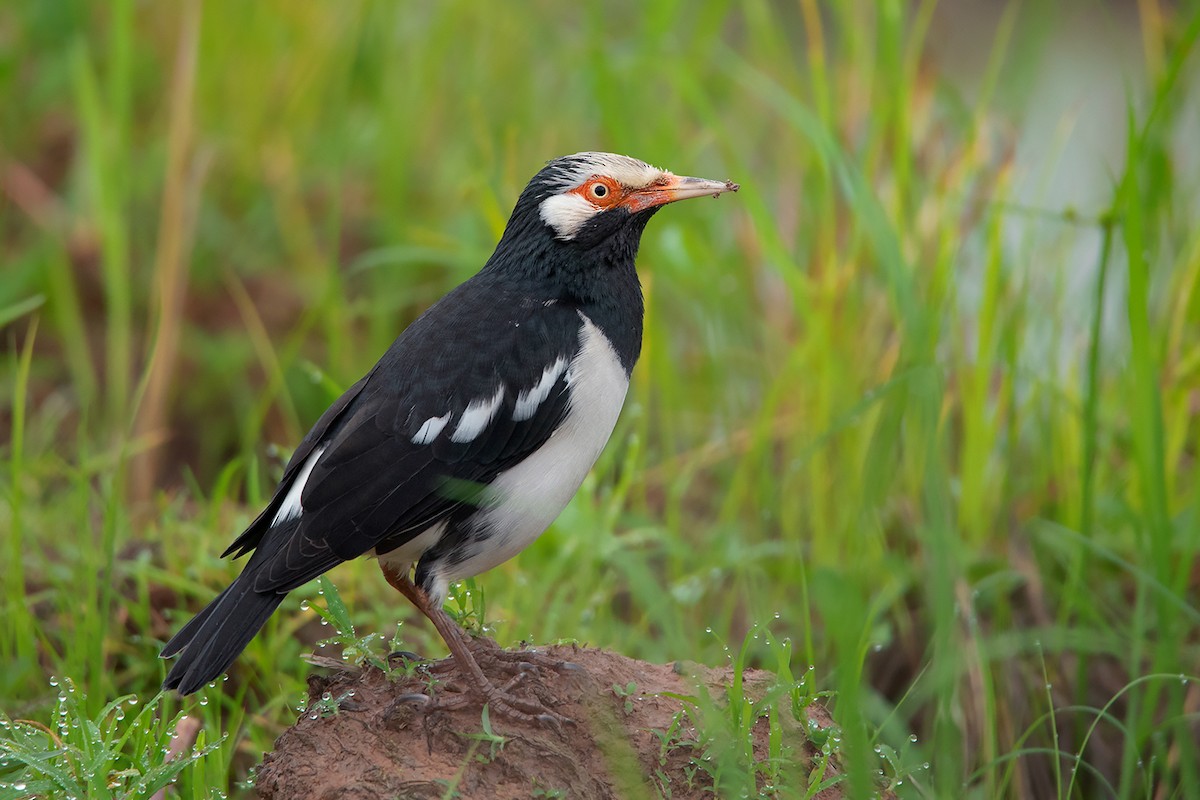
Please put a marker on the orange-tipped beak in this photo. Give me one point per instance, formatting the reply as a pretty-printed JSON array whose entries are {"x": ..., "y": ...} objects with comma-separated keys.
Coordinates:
[{"x": 673, "y": 188}]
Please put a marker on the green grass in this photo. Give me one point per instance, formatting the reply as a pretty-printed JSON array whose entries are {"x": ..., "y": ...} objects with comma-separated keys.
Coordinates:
[{"x": 875, "y": 414}]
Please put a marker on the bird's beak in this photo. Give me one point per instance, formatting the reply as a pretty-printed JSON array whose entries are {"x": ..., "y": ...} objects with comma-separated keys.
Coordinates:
[{"x": 673, "y": 187}]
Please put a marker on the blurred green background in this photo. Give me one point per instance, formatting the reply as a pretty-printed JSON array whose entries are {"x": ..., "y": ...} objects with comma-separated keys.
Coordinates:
[{"x": 920, "y": 400}]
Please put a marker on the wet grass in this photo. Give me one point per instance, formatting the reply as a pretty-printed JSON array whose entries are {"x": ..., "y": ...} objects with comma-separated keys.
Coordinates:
[{"x": 885, "y": 411}]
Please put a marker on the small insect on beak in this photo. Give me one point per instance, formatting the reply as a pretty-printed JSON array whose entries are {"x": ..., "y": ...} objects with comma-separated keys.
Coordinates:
[{"x": 673, "y": 187}]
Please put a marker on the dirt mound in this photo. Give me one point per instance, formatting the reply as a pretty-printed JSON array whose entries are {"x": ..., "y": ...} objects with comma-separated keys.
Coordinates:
[{"x": 365, "y": 736}]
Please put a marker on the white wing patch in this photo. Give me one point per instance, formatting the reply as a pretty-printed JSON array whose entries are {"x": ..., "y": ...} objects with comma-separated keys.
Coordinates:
[
  {"x": 430, "y": 429},
  {"x": 291, "y": 507},
  {"x": 529, "y": 399},
  {"x": 476, "y": 418}
]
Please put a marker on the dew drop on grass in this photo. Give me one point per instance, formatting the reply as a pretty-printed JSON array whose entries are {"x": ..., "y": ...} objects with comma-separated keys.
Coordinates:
[
  {"x": 913, "y": 738},
  {"x": 53, "y": 680},
  {"x": 20, "y": 787},
  {"x": 133, "y": 701},
  {"x": 304, "y": 605},
  {"x": 203, "y": 701}
]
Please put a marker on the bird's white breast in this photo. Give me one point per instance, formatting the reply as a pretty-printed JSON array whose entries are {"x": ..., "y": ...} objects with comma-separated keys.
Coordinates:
[{"x": 528, "y": 497}]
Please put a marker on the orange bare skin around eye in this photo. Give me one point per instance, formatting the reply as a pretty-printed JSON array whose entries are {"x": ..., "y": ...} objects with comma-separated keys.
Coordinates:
[{"x": 601, "y": 191}]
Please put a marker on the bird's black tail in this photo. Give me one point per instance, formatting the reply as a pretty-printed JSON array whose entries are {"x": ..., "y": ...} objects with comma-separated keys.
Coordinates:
[{"x": 213, "y": 638}]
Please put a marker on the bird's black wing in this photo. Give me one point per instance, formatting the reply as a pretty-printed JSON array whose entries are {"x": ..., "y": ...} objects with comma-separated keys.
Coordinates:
[
  {"x": 470, "y": 389},
  {"x": 254, "y": 533}
]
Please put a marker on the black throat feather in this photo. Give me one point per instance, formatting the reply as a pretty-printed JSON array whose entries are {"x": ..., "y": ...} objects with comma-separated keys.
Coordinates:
[{"x": 594, "y": 270}]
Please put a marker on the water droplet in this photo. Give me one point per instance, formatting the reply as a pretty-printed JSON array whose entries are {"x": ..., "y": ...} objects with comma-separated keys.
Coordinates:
[
  {"x": 304, "y": 605},
  {"x": 53, "y": 681},
  {"x": 133, "y": 701},
  {"x": 203, "y": 701},
  {"x": 20, "y": 787},
  {"x": 913, "y": 738}
]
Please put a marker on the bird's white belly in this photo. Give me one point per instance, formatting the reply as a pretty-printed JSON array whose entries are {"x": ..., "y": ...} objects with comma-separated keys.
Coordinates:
[{"x": 528, "y": 497}]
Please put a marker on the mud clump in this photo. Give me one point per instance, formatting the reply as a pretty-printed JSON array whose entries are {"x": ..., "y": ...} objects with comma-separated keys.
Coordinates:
[{"x": 366, "y": 735}]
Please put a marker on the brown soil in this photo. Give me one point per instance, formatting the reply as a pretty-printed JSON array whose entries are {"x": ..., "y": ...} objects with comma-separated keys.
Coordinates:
[{"x": 380, "y": 744}]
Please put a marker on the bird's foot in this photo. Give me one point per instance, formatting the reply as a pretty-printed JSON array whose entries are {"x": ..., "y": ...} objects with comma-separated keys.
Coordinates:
[
  {"x": 518, "y": 661},
  {"x": 501, "y": 702}
]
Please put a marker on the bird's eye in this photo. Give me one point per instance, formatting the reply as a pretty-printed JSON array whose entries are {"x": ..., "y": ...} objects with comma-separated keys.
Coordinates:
[{"x": 599, "y": 191}]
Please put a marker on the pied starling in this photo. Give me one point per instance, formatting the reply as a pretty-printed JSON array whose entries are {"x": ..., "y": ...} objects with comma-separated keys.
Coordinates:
[{"x": 474, "y": 430}]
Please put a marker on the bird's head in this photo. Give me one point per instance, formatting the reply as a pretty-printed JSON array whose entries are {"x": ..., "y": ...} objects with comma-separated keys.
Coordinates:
[
  {"x": 586, "y": 201},
  {"x": 588, "y": 196}
]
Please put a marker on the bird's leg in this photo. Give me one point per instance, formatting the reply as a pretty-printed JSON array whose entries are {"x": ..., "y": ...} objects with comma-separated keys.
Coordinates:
[
  {"x": 500, "y": 698},
  {"x": 520, "y": 660}
]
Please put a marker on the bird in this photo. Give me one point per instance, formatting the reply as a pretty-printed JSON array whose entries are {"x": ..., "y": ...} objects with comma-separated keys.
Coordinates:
[{"x": 475, "y": 428}]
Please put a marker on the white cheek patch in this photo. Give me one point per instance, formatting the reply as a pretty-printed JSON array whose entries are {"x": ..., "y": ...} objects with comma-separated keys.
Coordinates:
[
  {"x": 566, "y": 214},
  {"x": 476, "y": 418},
  {"x": 529, "y": 399}
]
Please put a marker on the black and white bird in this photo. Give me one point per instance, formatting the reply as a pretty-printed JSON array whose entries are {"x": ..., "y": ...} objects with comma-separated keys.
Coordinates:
[{"x": 474, "y": 430}]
